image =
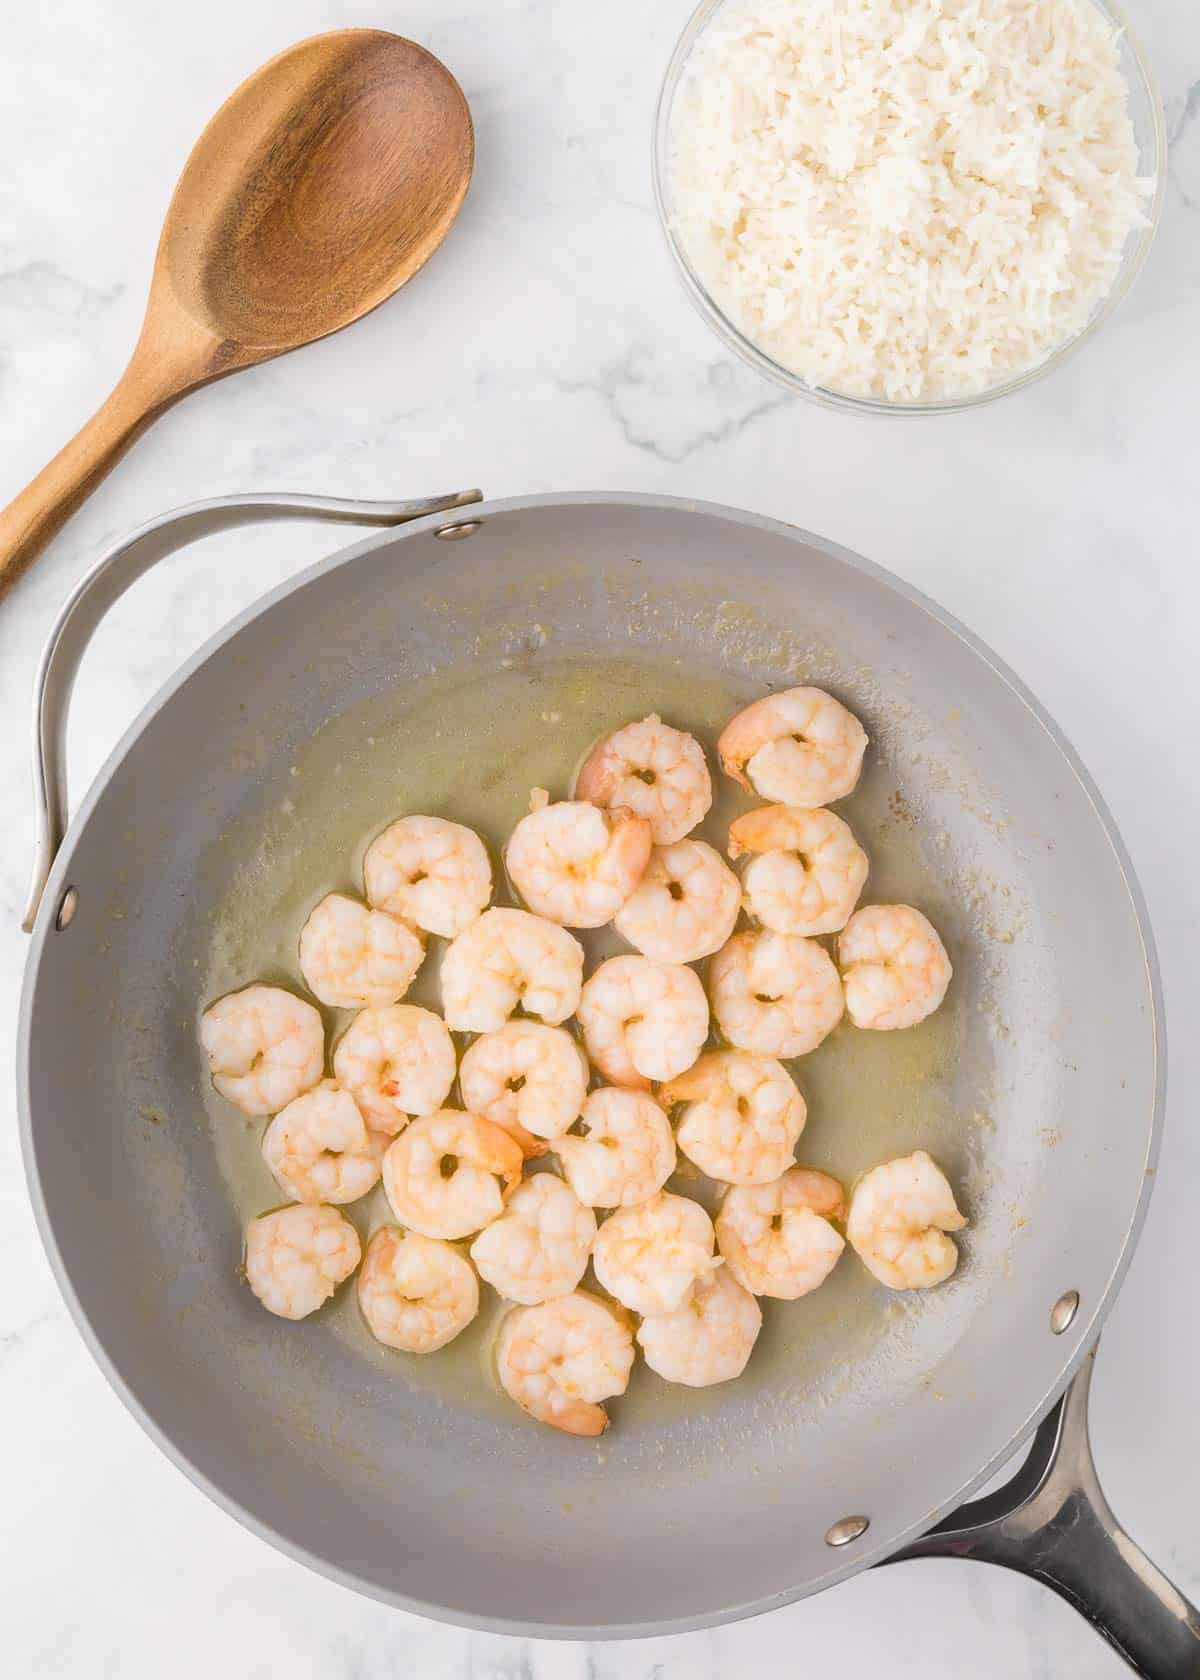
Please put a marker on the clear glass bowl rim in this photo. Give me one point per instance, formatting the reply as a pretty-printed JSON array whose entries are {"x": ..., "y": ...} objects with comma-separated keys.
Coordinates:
[{"x": 1152, "y": 162}]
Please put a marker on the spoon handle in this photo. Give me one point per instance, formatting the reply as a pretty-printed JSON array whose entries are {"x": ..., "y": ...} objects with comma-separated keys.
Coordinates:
[{"x": 28, "y": 523}]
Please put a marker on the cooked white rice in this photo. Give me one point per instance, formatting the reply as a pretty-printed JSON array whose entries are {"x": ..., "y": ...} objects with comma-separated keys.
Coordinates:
[{"x": 905, "y": 199}]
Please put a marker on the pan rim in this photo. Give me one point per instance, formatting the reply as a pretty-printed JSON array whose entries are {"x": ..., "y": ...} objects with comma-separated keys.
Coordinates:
[{"x": 1079, "y": 1339}]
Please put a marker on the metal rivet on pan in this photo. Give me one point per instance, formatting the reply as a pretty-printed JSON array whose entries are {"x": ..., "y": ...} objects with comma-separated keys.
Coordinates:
[
  {"x": 849, "y": 1528},
  {"x": 1063, "y": 1311},
  {"x": 66, "y": 909},
  {"x": 455, "y": 533}
]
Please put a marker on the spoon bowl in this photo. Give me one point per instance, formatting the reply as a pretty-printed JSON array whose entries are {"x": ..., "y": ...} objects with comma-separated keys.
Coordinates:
[
  {"x": 321, "y": 185},
  {"x": 324, "y": 182}
]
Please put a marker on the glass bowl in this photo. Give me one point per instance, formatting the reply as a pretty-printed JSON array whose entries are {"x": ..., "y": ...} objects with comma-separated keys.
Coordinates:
[{"x": 1146, "y": 115}]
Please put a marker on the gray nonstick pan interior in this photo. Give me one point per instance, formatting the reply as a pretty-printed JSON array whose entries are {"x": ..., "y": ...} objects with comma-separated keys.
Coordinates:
[{"x": 1040, "y": 1093}]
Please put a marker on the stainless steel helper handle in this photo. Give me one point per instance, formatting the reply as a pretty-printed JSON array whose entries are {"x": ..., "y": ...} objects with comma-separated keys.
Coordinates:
[
  {"x": 1053, "y": 1522},
  {"x": 108, "y": 580}
]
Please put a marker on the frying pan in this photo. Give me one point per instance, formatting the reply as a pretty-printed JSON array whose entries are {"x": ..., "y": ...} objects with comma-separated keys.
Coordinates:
[{"x": 840, "y": 1455}]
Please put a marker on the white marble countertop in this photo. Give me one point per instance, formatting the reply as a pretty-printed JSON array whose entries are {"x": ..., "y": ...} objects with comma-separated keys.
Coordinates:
[{"x": 548, "y": 347}]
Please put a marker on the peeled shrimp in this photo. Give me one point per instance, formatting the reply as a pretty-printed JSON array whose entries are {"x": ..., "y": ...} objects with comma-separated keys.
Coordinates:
[
  {"x": 625, "y": 1153},
  {"x": 707, "y": 1340},
  {"x": 505, "y": 959},
  {"x": 297, "y": 1256},
  {"x": 652, "y": 769},
  {"x": 899, "y": 1215},
  {"x": 560, "y": 1359},
  {"x": 806, "y": 872},
  {"x": 685, "y": 906},
  {"x": 416, "y": 1293},
  {"x": 395, "y": 1063},
  {"x": 450, "y": 1174},
  {"x": 774, "y": 993},
  {"x": 643, "y": 1020},
  {"x": 538, "y": 1248},
  {"x": 743, "y": 1116},
  {"x": 320, "y": 1150},
  {"x": 894, "y": 967},
  {"x": 431, "y": 872},
  {"x": 800, "y": 747},
  {"x": 651, "y": 1256},
  {"x": 528, "y": 1078},
  {"x": 355, "y": 958},
  {"x": 776, "y": 1238},
  {"x": 265, "y": 1046},
  {"x": 576, "y": 864}
]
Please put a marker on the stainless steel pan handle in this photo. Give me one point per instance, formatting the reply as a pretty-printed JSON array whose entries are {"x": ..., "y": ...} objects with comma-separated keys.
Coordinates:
[
  {"x": 1053, "y": 1522},
  {"x": 107, "y": 582}
]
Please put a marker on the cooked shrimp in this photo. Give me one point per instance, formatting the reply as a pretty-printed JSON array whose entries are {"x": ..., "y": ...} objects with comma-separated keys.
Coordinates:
[
  {"x": 505, "y": 959},
  {"x": 576, "y": 864},
  {"x": 777, "y": 1238},
  {"x": 450, "y": 1174},
  {"x": 743, "y": 1116},
  {"x": 625, "y": 1150},
  {"x": 528, "y": 1078},
  {"x": 894, "y": 967},
  {"x": 560, "y": 1359},
  {"x": 538, "y": 1248},
  {"x": 899, "y": 1215},
  {"x": 355, "y": 958},
  {"x": 652, "y": 769},
  {"x": 651, "y": 1256},
  {"x": 320, "y": 1150},
  {"x": 297, "y": 1256},
  {"x": 806, "y": 872},
  {"x": 431, "y": 872},
  {"x": 707, "y": 1340},
  {"x": 416, "y": 1293},
  {"x": 395, "y": 1063},
  {"x": 774, "y": 993},
  {"x": 643, "y": 1020},
  {"x": 265, "y": 1046},
  {"x": 801, "y": 747},
  {"x": 685, "y": 905}
]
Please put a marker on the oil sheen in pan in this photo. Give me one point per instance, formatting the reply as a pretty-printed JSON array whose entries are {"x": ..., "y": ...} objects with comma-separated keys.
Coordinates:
[{"x": 469, "y": 744}]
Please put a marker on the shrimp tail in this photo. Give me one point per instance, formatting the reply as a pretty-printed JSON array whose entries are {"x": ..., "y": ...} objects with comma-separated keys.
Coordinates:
[
  {"x": 598, "y": 774},
  {"x": 582, "y": 1418},
  {"x": 632, "y": 840},
  {"x": 508, "y": 1170},
  {"x": 740, "y": 740},
  {"x": 768, "y": 829},
  {"x": 822, "y": 1194},
  {"x": 690, "y": 1086}
]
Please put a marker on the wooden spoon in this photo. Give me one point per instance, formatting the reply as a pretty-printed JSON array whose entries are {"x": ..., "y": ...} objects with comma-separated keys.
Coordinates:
[{"x": 321, "y": 185}]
